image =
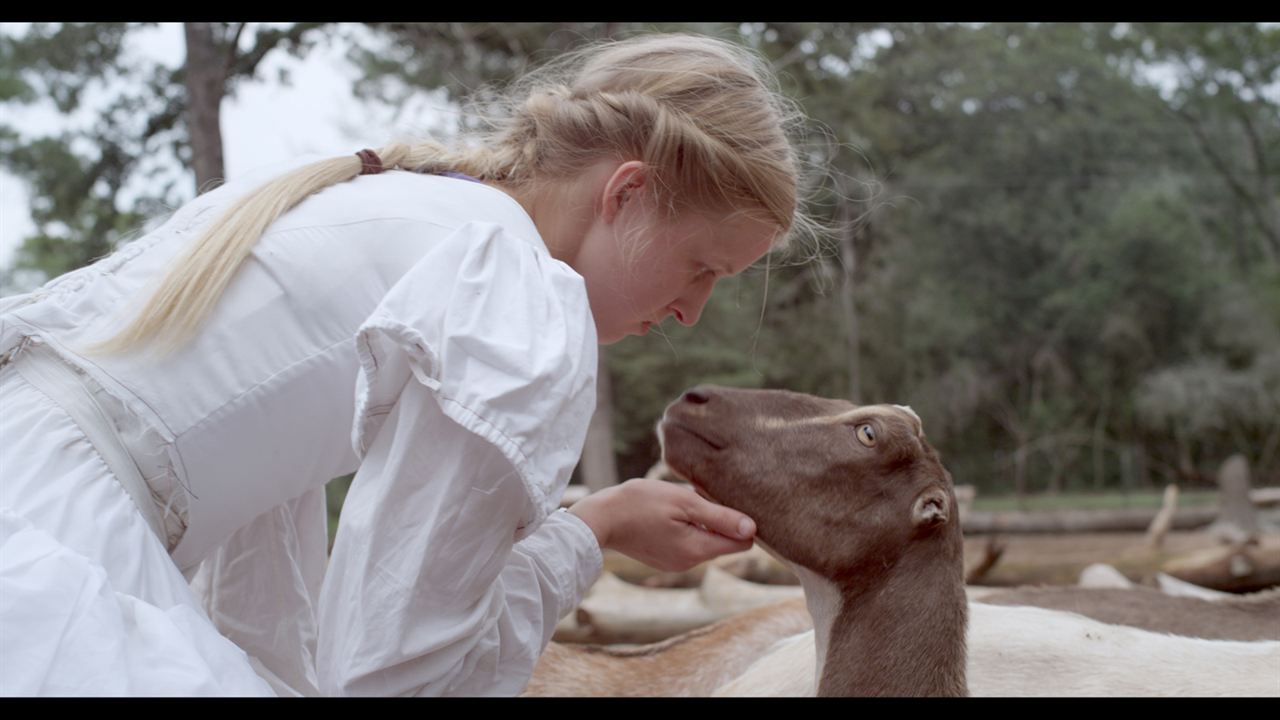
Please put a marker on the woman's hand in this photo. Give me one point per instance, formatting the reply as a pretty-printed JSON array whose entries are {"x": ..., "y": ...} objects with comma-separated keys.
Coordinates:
[{"x": 663, "y": 525}]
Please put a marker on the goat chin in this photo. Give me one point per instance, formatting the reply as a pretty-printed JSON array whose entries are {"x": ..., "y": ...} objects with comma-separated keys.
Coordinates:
[{"x": 1028, "y": 652}]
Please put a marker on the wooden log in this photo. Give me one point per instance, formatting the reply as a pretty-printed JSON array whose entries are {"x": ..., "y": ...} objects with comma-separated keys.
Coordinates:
[
  {"x": 1164, "y": 519},
  {"x": 1081, "y": 521},
  {"x": 1061, "y": 559},
  {"x": 758, "y": 566},
  {"x": 1265, "y": 497},
  {"x": 1173, "y": 586},
  {"x": 727, "y": 594},
  {"x": 569, "y": 631},
  {"x": 991, "y": 553},
  {"x": 633, "y": 570},
  {"x": 616, "y": 611},
  {"x": 1237, "y": 568}
]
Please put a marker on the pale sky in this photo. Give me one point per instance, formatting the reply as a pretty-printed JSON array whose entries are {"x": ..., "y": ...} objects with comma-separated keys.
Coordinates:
[{"x": 265, "y": 123}]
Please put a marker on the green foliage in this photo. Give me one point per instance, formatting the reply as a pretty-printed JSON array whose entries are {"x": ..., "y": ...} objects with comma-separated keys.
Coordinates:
[
  {"x": 78, "y": 177},
  {"x": 1066, "y": 241},
  {"x": 1046, "y": 238},
  {"x": 66, "y": 59},
  {"x": 464, "y": 58}
]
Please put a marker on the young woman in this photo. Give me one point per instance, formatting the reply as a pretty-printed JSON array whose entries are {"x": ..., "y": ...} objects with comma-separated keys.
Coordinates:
[{"x": 424, "y": 316}]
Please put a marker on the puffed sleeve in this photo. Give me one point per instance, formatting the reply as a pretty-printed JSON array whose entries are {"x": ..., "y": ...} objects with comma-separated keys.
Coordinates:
[
  {"x": 476, "y": 388},
  {"x": 502, "y": 334}
]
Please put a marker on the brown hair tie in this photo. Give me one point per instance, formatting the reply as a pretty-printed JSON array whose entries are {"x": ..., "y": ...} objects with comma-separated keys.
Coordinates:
[{"x": 371, "y": 164}]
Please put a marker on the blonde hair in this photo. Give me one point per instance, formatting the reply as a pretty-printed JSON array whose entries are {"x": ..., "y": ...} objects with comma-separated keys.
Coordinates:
[{"x": 705, "y": 114}]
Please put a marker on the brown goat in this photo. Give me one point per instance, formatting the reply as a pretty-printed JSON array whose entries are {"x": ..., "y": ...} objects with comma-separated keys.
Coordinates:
[
  {"x": 856, "y": 503},
  {"x": 872, "y": 527}
]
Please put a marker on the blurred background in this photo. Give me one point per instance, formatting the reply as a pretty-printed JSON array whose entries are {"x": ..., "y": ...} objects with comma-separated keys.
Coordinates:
[{"x": 1059, "y": 243}]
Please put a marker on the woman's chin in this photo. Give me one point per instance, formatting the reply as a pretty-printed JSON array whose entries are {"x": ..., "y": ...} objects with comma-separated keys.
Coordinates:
[{"x": 609, "y": 337}]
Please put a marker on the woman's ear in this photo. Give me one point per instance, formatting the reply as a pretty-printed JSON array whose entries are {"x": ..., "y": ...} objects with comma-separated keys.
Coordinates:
[{"x": 623, "y": 186}]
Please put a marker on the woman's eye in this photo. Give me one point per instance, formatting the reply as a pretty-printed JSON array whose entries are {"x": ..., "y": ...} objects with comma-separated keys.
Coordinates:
[{"x": 866, "y": 435}]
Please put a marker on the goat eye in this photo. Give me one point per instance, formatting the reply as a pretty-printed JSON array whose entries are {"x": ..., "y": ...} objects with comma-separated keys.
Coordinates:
[{"x": 866, "y": 435}]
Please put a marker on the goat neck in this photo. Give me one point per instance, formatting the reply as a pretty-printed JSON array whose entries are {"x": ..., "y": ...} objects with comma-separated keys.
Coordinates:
[
  {"x": 897, "y": 638},
  {"x": 858, "y": 504}
]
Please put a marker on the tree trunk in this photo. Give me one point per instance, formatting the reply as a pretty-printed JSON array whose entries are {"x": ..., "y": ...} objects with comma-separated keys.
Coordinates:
[
  {"x": 1099, "y": 435},
  {"x": 1057, "y": 469},
  {"x": 1141, "y": 468},
  {"x": 206, "y": 82},
  {"x": 1020, "y": 474},
  {"x": 1260, "y": 209},
  {"x": 599, "y": 470}
]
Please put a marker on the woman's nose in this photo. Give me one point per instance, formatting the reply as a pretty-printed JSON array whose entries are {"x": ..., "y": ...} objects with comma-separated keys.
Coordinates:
[{"x": 689, "y": 311}]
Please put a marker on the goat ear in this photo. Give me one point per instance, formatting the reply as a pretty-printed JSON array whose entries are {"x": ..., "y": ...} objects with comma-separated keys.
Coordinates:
[{"x": 931, "y": 508}]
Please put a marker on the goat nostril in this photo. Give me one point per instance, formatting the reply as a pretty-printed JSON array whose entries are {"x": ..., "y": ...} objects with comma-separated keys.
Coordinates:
[{"x": 697, "y": 397}]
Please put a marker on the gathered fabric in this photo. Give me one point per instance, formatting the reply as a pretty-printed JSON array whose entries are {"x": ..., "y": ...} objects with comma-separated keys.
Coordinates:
[
  {"x": 79, "y": 616},
  {"x": 411, "y": 329}
]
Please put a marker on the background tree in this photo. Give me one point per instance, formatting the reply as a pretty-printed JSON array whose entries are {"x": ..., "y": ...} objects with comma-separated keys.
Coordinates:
[
  {"x": 149, "y": 113},
  {"x": 1057, "y": 242}
]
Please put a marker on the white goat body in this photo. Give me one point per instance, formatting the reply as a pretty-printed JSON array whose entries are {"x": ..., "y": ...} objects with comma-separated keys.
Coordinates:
[{"x": 1030, "y": 652}]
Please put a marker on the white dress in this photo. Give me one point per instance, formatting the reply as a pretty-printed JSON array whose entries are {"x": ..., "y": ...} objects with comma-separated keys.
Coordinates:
[{"x": 410, "y": 328}]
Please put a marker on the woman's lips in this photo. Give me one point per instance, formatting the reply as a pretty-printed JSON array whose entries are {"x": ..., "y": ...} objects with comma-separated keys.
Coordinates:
[{"x": 646, "y": 324}]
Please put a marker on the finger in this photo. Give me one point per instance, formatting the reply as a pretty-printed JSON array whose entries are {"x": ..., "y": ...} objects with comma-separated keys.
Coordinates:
[
  {"x": 720, "y": 519},
  {"x": 706, "y": 545}
]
